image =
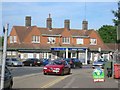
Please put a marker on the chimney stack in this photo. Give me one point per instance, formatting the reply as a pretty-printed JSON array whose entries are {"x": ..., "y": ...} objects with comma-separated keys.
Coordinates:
[
  {"x": 28, "y": 21},
  {"x": 85, "y": 25},
  {"x": 67, "y": 24},
  {"x": 49, "y": 22}
]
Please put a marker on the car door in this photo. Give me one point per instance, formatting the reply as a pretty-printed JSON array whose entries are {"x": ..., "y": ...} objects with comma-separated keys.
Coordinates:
[{"x": 66, "y": 67}]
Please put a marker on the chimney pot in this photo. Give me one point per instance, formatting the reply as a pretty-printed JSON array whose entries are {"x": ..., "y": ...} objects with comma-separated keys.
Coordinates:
[
  {"x": 49, "y": 22},
  {"x": 85, "y": 25},
  {"x": 28, "y": 21},
  {"x": 67, "y": 24}
]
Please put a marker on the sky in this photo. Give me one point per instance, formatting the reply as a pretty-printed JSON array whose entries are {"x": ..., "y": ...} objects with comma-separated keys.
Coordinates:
[{"x": 96, "y": 13}]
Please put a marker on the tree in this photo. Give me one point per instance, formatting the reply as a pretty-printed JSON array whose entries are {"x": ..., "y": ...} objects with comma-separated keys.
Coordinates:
[
  {"x": 108, "y": 33},
  {"x": 117, "y": 15},
  {"x": 117, "y": 21}
]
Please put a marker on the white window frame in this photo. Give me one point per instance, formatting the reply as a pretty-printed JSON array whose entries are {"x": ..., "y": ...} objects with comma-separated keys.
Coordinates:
[
  {"x": 79, "y": 41},
  {"x": 66, "y": 40},
  {"x": 92, "y": 42},
  {"x": 14, "y": 39},
  {"x": 11, "y": 39},
  {"x": 51, "y": 39},
  {"x": 35, "y": 39}
]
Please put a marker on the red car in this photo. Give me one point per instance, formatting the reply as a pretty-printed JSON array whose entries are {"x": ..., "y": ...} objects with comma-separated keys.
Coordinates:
[{"x": 60, "y": 67}]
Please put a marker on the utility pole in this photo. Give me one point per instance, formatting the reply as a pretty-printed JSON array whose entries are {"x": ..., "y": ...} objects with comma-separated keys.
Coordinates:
[{"x": 5, "y": 30}]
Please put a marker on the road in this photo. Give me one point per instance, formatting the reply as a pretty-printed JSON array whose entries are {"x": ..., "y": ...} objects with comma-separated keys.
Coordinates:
[
  {"x": 21, "y": 71},
  {"x": 79, "y": 78}
]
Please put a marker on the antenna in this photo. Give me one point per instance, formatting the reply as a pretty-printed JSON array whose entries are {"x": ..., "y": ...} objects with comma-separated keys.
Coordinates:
[{"x": 85, "y": 11}]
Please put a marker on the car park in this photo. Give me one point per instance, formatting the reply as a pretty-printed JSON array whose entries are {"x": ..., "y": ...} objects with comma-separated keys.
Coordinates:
[
  {"x": 59, "y": 67},
  {"x": 8, "y": 79},
  {"x": 13, "y": 62},
  {"x": 32, "y": 62},
  {"x": 74, "y": 62}
]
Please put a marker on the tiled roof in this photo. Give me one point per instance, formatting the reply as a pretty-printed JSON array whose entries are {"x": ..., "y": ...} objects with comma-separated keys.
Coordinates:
[
  {"x": 113, "y": 46},
  {"x": 75, "y": 32},
  {"x": 54, "y": 31},
  {"x": 28, "y": 46},
  {"x": 23, "y": 31}
]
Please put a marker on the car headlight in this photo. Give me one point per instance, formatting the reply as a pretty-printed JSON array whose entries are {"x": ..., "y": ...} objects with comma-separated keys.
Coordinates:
[{"x": 45, "y": 68}]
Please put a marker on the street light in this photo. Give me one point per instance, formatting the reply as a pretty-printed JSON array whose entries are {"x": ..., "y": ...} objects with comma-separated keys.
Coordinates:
[{"x": 5, "y": 30}]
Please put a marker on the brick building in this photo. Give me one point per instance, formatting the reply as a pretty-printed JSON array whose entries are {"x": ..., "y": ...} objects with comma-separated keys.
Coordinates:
[{"x": 48, "y": 42}]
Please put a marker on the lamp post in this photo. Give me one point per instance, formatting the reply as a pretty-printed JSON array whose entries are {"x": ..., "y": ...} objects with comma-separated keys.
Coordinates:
[{"x": 4, "y": 57}]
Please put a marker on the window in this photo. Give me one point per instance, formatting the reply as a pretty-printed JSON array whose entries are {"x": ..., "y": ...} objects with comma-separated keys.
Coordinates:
[
  {"x": 13, "y": 39},
  {"x": 79, "y": 40},
  {"x": 51, "y": 40},
  {"x": 35, "y": 39},
  {"x": 66, "y": 40},
  {"x": 93, "y": 41}
]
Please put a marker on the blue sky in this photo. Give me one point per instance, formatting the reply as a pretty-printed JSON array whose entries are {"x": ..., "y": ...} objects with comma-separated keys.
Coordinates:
[{"x": 97, "y": 13}]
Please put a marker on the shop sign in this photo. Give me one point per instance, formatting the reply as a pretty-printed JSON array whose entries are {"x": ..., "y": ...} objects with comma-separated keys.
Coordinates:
[{"x": 98, "y": 75}]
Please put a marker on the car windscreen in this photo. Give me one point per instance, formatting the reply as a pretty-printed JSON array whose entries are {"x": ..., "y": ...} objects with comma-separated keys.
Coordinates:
[
  {"x": 14, "y": 59},
  {"x": 55, "y": 63}
]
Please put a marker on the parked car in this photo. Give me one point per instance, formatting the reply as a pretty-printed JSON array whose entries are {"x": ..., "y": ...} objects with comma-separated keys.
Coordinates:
[
  {"x": 99, "y": 63},
  {"x": 74, "y": 62},
  {"x": 60, "y": 67},
  {"x": 13, "y": 62},
  {"x": 45, "y": 61},
  {"x": 32, "y": 62},
  {"x": 8, "y": 80}
]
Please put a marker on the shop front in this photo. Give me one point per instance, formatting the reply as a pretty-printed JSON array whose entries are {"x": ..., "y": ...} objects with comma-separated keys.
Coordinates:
[{"x": 71, "y": 52}]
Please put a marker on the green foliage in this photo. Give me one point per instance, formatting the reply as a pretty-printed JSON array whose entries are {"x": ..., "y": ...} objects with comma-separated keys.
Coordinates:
[
  {"x": 117, "y": 15},
  {"x": 108, "y": 33}
]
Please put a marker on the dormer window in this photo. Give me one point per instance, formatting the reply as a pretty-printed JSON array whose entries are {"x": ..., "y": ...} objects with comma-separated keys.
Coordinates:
[
  {"x": 79, "y": 40},
  {"x": 51, "y": 40},
  {"x": 66, "y": 40},
  {"x": 93, "y": 41},
  {"x": 35, "y": 39},
  {"x": 13, "y": 39}
]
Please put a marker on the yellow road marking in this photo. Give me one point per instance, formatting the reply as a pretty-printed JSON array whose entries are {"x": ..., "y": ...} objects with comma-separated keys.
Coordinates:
[{"x": 54, "y": 82}]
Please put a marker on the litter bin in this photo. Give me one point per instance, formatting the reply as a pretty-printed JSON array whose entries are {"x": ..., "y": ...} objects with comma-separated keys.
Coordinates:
[{"x": 116, "y": 71}]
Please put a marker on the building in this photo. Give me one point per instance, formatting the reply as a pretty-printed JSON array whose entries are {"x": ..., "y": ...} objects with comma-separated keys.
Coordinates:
[{"x": 32, "y": 41}]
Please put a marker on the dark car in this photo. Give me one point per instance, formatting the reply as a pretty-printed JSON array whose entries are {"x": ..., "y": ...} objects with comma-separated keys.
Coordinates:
[
  {"x": 74, "y": 62},
  {"x": 60, "y": 67},
  {"x": 8, "y": 80},
  {"x": 31, "y": 62},
  {"x": 45, "y": 61},
  {"x": 13, "y": 62}
]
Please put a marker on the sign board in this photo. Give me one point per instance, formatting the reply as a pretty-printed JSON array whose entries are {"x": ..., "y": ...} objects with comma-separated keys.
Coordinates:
[
  {"x": 98, "y": 75},
  {"x": 58, "y": 49},
  {"x": 63, "y": 49}
]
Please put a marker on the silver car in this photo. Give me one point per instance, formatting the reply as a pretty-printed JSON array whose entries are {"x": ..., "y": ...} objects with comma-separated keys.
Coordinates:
[
  {"x": 13, "y": 62},
  {"x": 99, "y": 63}
]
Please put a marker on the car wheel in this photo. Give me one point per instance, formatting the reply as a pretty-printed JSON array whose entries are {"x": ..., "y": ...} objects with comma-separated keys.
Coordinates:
[
  {"x": 69, "y": 71},
  {"x": 62, "y": 73},
  {"x": 10, "y": 86},
  {"x": 31, "y": 64},
  {"x": 12, "y": 65},
  {"x": 74, "y": 66},
  {"x": 45, "y": 73}
]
